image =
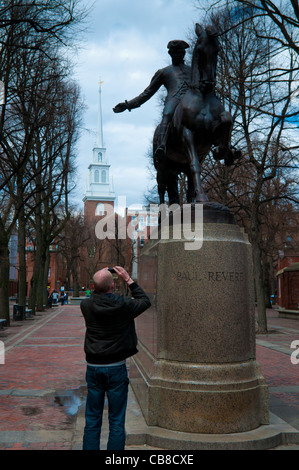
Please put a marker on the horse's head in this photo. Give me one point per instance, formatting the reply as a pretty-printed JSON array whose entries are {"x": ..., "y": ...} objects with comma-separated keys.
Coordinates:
[
  {"x": 209, "y": 31},
  {"x": 205, "y": 54}
]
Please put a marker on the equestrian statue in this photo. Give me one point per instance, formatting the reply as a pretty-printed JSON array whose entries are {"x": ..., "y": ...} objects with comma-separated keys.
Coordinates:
[{"x": 194, "y": 121}]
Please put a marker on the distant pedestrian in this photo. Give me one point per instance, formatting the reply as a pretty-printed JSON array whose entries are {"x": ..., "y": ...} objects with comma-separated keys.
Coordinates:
[
  {"x": 55, "y": 296},
  {"x": 110, "y": 339},
  {"x": 50, "y": 299},
  {"x": 62, "y": 298}
]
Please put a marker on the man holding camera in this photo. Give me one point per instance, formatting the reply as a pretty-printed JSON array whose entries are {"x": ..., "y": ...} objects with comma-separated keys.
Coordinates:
[{"x": 110, "y": 339}]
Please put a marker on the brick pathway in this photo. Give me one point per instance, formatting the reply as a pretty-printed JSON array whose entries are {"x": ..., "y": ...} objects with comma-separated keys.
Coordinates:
[
  {"x": 273, "y": 352},
  {"x": 42, "y": 383},
  {"x": 43, "y": 380}
]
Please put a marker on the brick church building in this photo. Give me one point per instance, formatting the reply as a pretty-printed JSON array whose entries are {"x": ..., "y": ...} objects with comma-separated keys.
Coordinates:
[
  {"x": 96, "y": 252},
  {"x": 99, "y": 203}
]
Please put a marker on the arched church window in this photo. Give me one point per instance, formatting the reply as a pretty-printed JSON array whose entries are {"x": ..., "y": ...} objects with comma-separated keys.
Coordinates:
[
  {"x": 103, "y": 178},
  {"x": 96, "y": 176},
  {"x": 100, "y": 157}
]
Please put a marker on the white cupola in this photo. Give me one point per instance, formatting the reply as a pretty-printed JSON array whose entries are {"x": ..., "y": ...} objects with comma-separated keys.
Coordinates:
[{"x": 99, "y": 185}]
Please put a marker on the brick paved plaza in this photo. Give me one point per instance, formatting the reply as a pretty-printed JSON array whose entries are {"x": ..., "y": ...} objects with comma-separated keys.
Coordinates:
[{"x": 43, "y": 378}]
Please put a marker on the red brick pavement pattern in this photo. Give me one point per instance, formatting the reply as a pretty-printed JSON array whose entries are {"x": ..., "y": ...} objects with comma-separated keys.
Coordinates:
[
  {"x": 47, "y": 356},
  {"x": 36, "y": 446},
  {"x": 48, "y": 372},
  {"x": 59, "y": 367},
  {"x": 291, "y": 399},
  {"x": 273, "y": 319},
  {"x": 51, "y": 356},
  {"x": 277, "y": 367},
  {"x": 21, "y": 413}
]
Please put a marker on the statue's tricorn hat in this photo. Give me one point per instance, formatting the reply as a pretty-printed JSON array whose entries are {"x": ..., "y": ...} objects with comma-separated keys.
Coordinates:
[{"x": 177, "y": 44}]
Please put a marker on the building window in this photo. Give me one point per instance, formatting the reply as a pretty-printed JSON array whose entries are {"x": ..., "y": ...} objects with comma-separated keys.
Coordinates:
[
  {"x": 100, "y": 157},
  {"x": 100, "y": 209},
  {"x": 103, "y": 178},
  {"x": 96, "y": 176}
]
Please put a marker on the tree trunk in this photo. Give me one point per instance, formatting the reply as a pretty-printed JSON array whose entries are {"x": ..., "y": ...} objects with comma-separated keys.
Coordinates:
[
  {"x": 258, "y": 278},
  {"x": 33, "y": 282},
  {"x": 267, "y": 284},
  {"x": 22, "y": 259},
  {"x": 45, "y": 275},
  {"x": 4, "y": 275},
  {"x": 272, "y": 280},
  {"x": 37, "y": 262},
  {"x": 41, "y": 286},
  {"x": 75, "y": 282}
]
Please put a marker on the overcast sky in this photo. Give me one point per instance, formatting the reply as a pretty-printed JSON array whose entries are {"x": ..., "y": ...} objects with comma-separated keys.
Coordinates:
[{"x": 126, "y": 43}]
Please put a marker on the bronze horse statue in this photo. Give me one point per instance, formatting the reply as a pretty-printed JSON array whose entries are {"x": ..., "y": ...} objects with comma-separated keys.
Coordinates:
[{"x": 200, "y": 124}]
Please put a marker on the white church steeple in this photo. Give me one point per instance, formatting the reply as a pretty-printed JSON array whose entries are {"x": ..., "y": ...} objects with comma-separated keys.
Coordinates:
[
  {"x": 100, "y": 140},
  {"x": 99, "y": 184}
]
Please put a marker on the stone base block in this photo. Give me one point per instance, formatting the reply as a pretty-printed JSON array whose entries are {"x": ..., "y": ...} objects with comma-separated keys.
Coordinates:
[
  {"x": 200, "y": 398},
  {"x": 270, "y": 436},
  {"x": 196, "y": 370}
]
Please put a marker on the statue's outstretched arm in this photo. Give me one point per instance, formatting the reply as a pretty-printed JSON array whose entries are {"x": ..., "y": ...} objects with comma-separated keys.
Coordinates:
[{"x": 153, "y": 87}]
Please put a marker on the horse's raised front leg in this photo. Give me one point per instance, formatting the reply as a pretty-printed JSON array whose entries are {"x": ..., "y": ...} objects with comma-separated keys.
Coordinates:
[
  {"x": 195, "y": 166},
  {"x": 222, "y": 136}
]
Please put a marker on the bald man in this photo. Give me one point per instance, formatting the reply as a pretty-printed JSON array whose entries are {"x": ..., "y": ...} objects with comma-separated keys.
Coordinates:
[{"x": 109, "y": 340}]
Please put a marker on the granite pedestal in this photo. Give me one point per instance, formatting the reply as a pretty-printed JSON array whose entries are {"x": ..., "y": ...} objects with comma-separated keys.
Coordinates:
[{"x": 196, "y": 370}]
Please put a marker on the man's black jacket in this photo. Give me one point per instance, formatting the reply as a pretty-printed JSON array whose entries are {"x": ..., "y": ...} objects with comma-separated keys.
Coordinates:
[{"x": 110, "y": 328}]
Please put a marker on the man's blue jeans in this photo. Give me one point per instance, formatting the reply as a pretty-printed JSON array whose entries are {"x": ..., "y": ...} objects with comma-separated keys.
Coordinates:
[{"x": 114, "y": 381}]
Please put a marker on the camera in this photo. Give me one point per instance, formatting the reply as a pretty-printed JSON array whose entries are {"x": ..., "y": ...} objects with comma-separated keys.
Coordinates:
[{"x": 111, "y": 270}]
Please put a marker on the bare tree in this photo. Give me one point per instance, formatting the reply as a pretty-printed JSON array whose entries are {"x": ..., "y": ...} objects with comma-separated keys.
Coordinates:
[
  {"x": 71, "y": 241},
  {"x": 282, "y": 15},
  {"x": 257, "y": 84},
  {"x": 50, "y": 205},
  {"x": 30, "y": 33},
  {"x": 54, "y": 18}
]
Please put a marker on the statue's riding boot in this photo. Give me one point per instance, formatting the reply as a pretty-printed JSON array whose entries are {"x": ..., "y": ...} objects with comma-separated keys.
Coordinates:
[{"x": 162, "y": 138}]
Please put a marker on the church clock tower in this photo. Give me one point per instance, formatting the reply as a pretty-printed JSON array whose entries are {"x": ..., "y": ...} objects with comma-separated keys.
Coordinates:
[{"x": 99, "y": 188}]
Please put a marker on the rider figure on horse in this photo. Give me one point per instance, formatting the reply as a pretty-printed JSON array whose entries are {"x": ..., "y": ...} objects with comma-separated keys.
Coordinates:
[{"x": 176, "y": 78}]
